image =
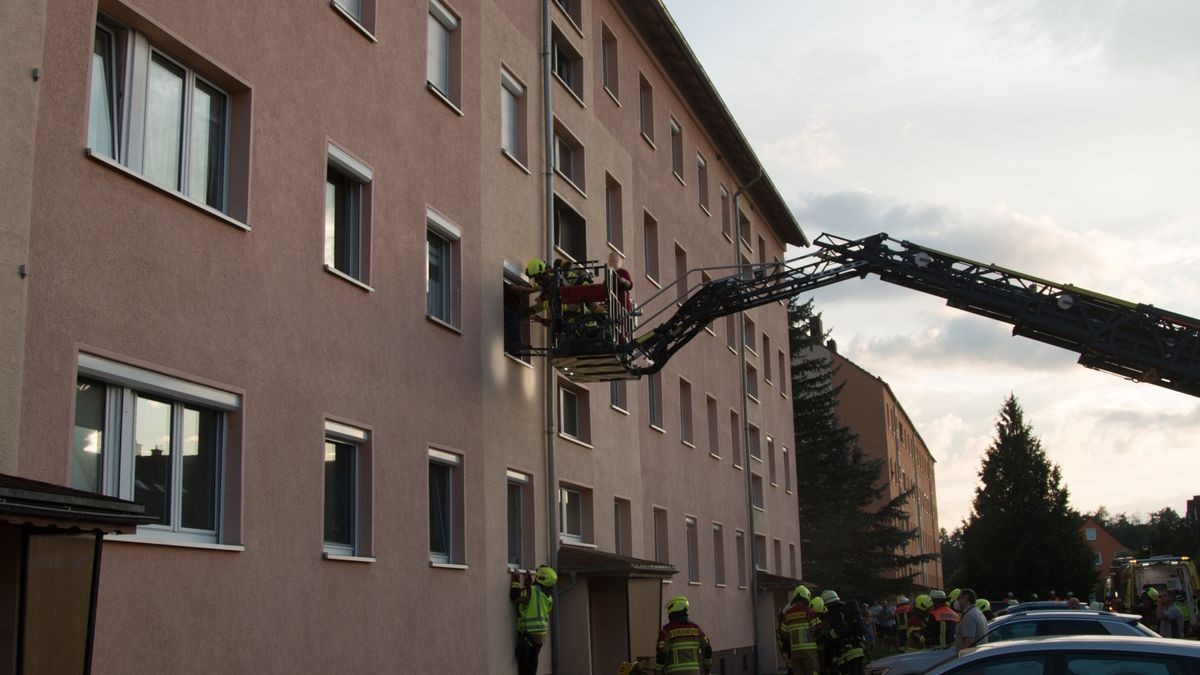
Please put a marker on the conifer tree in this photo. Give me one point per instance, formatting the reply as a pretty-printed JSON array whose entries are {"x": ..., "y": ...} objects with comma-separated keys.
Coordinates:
[
  {"x": 846, "y": 543},
  {"x": 1022, "y": 535}
]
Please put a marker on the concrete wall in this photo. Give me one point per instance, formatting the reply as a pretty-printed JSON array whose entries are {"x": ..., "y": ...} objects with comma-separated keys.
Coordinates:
[{"x": 22, "y": 26}]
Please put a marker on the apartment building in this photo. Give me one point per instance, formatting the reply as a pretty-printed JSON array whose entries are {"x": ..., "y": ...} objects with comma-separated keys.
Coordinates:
[
  {"x": 269, "y": 250},
  {"x": 869, "y": 407}
]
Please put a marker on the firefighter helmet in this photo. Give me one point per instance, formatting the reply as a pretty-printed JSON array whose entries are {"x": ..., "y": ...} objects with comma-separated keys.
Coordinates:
[
  {"x": 678, "y": 603},
  {"x": 829, "y": 596},
  {"x": 817, "y": 605},
  {"x": 983, "y": 605},
  {"x": 902, "y": 600},
  {"x": 801, "y": 592},
  {"x": 924, "y": 603},
  {"x": 545, "y": 576},
  {"x": 1152, "y": 593},
  {"x": 535, "y": 267},
  {"x": 954, "y": 594},
  {"x": 937, "y": 595}
]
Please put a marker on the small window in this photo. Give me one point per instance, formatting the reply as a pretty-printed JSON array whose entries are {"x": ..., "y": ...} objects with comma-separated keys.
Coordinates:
[
  {"x": 568, "y": 156},
  {"x": 443, "y": 55},
  {"x": 702, "y": 180},
  {"x": 574, "y": 416},
  {"x": 1091, "y": 533},
  {"x": 714, "y": 442},
  {"x": 662, "y": 551},
  {"x": 766, "y": 358},
  {"x": 360, "y": 12},
  {"x": 618, "y": 395},
  {"x": 681, "y": 270},
  {"x": 575, "y": 514},
  {"x": 771, "y": 460},
  {"x": 622, "y": 527},
  {"x": 685, "y": 412},
  {"x": 156, "y": 440},
  {"x": 744, "y": 227},
  {"x": 762, "y": 250},
  {"x": 567, "y": 64},
  {"x": 646, "y": 108},
  {"x": 570, "y": 231},
  {"x": 726, "y": 227},
  {"x": 650, "y": 246},
  {"x": 677, "y": 149},
  {"x": 731, "y": 331},
  {"x": 692, "y": 537},
  {"x": 655, "y": 398},
  {"x": 751, "y": 337},
  {"x": 760, "y": 553},
  {"x": 347, "y": 489},
  {"x": 755, "y": 449},
  {"x": 784, "y": 374},
  {"x": 718, "y": 535},
  {"x": 740, "y": 549},
  {"x": 752, "y": 381},
  {"x": 572, "y": 9},
  {"x": 792, "y": 560},
  {"x": 514, "y": 140},
  {"x": 610, "y": 61},
  {"x": 787, "y": 471},
  {"x": 756, "y": 492},
  {"x": 735, "y": 438},
  {"x": 520, "y": 520},
  {"x": 445, "y": 507},
  {"x": 517, "y": 298},
  {"x": 777, "y": 549},
  {"x": 442, "y": 264},
  {"x": 1099, "y": 559},
  {"x": 347, "y": 205},
  {"x": 613, "y": 223}
]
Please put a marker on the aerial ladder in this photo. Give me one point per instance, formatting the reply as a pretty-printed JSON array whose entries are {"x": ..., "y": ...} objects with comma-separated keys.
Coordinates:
[{"x": 594, "y": 337}]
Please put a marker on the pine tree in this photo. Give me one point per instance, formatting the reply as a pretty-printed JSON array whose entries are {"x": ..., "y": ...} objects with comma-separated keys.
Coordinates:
[
  {"x": 845, "y": 545},
  {"x": 1022, "y": 535}
]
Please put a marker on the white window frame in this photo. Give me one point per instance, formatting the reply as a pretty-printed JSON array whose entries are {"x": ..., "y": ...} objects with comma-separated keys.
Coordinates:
[
  {"x": 123, "y": 383},
  {"x": 450, "y": 23},
  {"x": 523, "y": 482},
  {"x": 564, "y": 499},
  {"x": 511, "y": 122},
  {"x": 454, "y": 463},
  {"x": 451, "y": 234},
  {"x": 361, "y": 176},
  {"x": 132, "y": 54},
  {"x": 345, "y": 434}
]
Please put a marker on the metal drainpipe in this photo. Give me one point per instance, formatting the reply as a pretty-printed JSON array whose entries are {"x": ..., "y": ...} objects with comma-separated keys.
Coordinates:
[
  {"x": 548, "y": 369},
  {"x": 741, "y": 331}
]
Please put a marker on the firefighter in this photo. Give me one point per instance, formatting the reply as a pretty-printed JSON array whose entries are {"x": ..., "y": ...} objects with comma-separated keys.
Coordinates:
[
  {"x": 540, "y": 277},
  {"x": 797, "y": 635},
  {"x": 683, "y": 647},
  {"x": 534, "y": 603},
  {"x": 952, "y": 597},
  {"x": 904, "y": 611},
  {"x": 820, "y": 631},
  {"x": 985, "y": 606},
  {"x": 846, "y": 635},
  {"x": 915, "y": 630},
  {"x": 940, "y": 622}
]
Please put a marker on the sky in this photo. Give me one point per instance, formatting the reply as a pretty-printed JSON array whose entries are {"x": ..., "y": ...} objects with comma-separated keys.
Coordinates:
[{"x": 1060, "y": 138}]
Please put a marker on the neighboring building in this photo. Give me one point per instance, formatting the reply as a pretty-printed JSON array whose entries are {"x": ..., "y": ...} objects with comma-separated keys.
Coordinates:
[
  {"x": 1105, "y": 547},
  {"x": 869, "y": 407},
  {"x": 269, "y": 249}
]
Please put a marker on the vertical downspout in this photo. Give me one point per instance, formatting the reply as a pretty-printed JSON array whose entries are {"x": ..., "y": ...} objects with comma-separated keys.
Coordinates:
[
  {"x": 741, "y": 331},
  {"x": 547, "y": 368}
]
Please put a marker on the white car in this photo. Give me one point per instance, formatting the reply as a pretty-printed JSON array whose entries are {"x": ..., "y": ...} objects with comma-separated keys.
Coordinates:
[
  {"x": 1017, "y": 626},
  {"x": 1080, "y": 655}
]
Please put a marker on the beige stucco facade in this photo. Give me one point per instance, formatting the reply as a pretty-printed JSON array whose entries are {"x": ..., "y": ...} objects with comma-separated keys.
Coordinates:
[
  {"x": 236, "y": 300},
  {"x": 869, "y": 407}
]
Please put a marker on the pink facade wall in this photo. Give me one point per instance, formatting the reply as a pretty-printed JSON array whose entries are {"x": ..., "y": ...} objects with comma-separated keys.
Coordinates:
[{"x": 130, "y": 272}]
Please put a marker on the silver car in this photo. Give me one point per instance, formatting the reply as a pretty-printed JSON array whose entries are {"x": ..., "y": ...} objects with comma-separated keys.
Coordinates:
[
  {"x": 1080, "y": 655},
  {"x": 1027, "y": 624}
]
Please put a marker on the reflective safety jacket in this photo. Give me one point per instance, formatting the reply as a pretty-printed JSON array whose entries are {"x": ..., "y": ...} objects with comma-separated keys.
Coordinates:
[
  {"x": 845, "y": 629},
  {"x": 902, "y": 614},
  {"x": 533, "y": 608},
  {"x": 798, "y": 625},
  {"x": 940, "y": 624},
  {"x": 683, "y": 649}
]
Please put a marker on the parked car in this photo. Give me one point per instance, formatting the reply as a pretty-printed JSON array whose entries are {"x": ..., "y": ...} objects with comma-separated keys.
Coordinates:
[
  {"x": 1035, "y": 605},
  {"x": 1078, "y": 655},
  {"x": 1027, "y": 624}
]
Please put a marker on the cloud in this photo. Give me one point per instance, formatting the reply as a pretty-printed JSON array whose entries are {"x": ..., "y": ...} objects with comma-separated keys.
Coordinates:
[
  {"x": 963, "y": 341},
  {"x": 816, "y": 148}
]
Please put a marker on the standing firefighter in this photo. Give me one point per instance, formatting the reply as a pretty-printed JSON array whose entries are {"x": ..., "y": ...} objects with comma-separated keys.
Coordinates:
[
  {"x": 846, "y": 633},
  {"x": 534, "y": 602},
  {"x": 682, "y": 647},
  {"x": 798, "y": 640},
  {"x": 940, "y": 622}
]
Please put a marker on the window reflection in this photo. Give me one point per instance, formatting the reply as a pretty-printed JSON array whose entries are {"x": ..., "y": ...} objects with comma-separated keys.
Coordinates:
[
  {"x": 164, "y": 122},
  {"x": 88, "y": 436},
  {"x": 101, "y": 137},
  {"x": 207, "y": 149},
  {"x": 200, "y": 447},
  {"x": 339, "y": 493},
  {"x": 152, "y": 457}
]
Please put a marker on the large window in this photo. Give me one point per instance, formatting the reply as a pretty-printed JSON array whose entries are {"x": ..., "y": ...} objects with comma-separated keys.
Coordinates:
[
  {"x": 442, "y": 265},
  {"x": 153, "y": 439},
  {"x": 445, "y": 507},
  {"x": 513, "y": 128},
  {"x": 443, "y": 52},
  {"x": 347, "y": 489},
  {"x": 163, "y": 119},
  {"x": 347, "y": 200}
]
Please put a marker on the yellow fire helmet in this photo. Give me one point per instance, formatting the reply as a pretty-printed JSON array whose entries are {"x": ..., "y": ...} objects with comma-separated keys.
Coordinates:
[
  {"x": 535, "y": 267},
  {"x": 677, "y": 604},
  {"x": 801, "y": 592},
  {"x": 817, "y": 605},
  {"x": 545, "y": 576},
  {"x": 954, "y": 595},
  {"x": 924, "y": 602},
  {"x": 984, "y": 605}
]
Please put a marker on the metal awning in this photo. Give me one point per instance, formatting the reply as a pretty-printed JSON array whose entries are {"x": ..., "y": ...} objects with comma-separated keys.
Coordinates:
[
  {"x": 34, "y": 503},
  {"x": 594, "y": 563}
]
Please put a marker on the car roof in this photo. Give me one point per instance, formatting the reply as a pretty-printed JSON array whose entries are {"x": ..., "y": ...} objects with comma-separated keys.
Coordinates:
[
  {"x": 1047, "y": 614},
  {"x": 1112, "y": 643}
]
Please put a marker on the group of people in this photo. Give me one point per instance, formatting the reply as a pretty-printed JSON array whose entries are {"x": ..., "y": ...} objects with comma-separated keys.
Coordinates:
[
  {"x": 825, "y": 635},
  {"x": 1167, "y": 612}
]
